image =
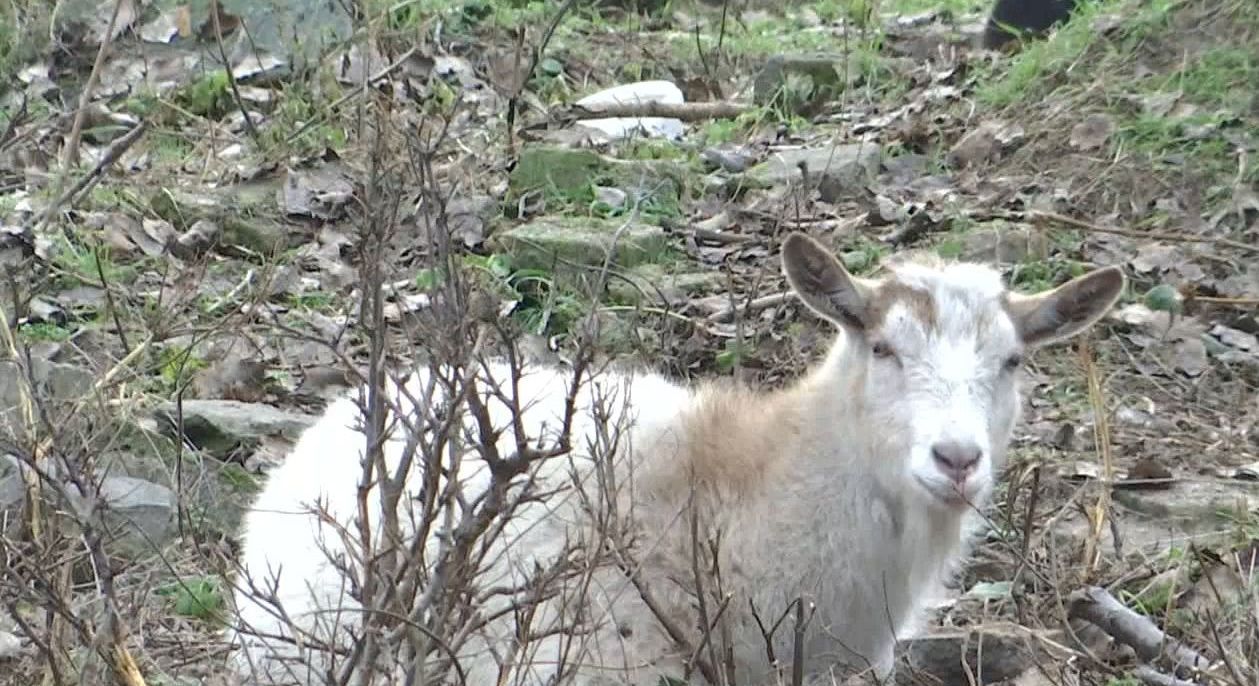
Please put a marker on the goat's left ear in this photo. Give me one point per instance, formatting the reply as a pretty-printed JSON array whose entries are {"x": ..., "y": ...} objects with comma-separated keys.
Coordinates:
[
  {"x": 1067, "y": 310},
  {"x": 822, "y": 283}
]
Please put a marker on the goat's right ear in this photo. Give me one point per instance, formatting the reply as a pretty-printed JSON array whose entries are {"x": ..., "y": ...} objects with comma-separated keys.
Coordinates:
[
  {"x": 822, "y": 283},
  {"x": 1065, "y": 311}
]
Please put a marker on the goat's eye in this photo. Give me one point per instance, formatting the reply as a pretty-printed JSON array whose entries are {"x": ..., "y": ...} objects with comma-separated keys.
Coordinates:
[
  {"x": 1012, "y": 363},
  {"x": 882, "y": 350}
]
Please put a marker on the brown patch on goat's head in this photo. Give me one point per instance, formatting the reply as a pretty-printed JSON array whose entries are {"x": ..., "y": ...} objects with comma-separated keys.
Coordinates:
[
  {"x": 860, "y": 305},
  {"x": 917, "y": 301}
]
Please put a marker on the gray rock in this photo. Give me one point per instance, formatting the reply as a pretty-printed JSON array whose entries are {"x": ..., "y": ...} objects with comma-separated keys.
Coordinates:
[
  {"x": 12, "y": 490},
  {"x": 1190, "y": 357},
  {"x": 320, "y": 192},
  {"x": 994, "y": 654},
  {"x": 1191, "y": 506},
  {"x": 652, "y": 284},
  {"x": 612, "y": 197},
  {"x": 10, "y": 646},
  {"x": 848, "y": 164},
  {"x": 824, "y": 76},
  {"x": 567, "y": 173},
  {"x": 54, "y": 383},
  {"x": 1152, "y": 521},
  {"x": 246, "y": 213},
  {"x": 300, "y": 30},
  {"x": 141, "y": 511},
  {"x": 197, "y": 240},
  {"x": 221, "y": 427},
  {"x": 1005, "y": 245},
  {"x": 729, "y": 158},
  {"x": 556, "y": 242}
]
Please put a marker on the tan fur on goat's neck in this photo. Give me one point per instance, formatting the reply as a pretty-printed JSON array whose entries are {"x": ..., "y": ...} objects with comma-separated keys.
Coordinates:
[{"x": 736, "y": 440}]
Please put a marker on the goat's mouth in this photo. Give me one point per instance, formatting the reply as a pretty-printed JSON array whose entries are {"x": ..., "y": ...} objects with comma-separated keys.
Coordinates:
[{"x": 951, "y": 495}]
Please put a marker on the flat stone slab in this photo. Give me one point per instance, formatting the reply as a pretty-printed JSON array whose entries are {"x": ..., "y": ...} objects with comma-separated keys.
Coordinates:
[
  {"x": 558, "y": 242},
  {"x": 222, "y": 426},
  {"x": 653, "y": 284},
  {"x": 846, "y": 162},
  {"x": 571, "y": 173}
]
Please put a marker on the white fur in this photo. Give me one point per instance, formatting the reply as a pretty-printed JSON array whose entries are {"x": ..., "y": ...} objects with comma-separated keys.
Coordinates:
[
  {"x": 952, "y": 386},
  {"x": 853, "y": 516}
]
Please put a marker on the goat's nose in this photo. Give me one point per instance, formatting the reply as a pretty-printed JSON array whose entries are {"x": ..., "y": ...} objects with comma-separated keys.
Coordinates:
[{"x": 956, "y": 459}]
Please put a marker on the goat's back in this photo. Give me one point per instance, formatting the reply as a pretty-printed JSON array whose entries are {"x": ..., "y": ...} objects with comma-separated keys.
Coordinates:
[{"x": 281, "y": 535}]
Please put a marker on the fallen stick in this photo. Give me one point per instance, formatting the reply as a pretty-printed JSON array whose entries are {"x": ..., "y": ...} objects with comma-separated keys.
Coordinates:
[
  {"x": 1097, "y": 605},
  {"x": 686, "y": 111},
  {"x": 722, "y": 237},
  {"x": 70, "y": 156},
  {"x": 1152, "y": 677},
  {"x": 107, "y": 159},
  {"x": 727, "y": 315}
]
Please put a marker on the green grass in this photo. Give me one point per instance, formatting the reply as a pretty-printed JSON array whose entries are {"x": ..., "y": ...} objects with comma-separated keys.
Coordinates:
[
  {"x": 1036, "y": 70},
  {"x": 314, "y": 300},
  {"x": 79, "y": 265},
  {"x": 956, "y": 7},
  {"x": 209, "y": 96},
  {"x": 1220, "y": 86},
  {"x": 298, "y": 109},
  {"x": 44, "y": 332},
  {"x": 545, "y": 305},
  {"x": 733, "y": 354},
  {"x": 177, "y": 365},
  {"x": 1154, "y": 601},
  {"x": 1033, "y": 276},
  {"x": 238, "y": 478},
  {"x": 1225, "y": 77},
  {"x": 23, "y": 35},
  {"x": 168, "y": 147},
  {"x": 197, "y": 597},
  {"x": 861, "y": 255},
  {"x": 1210, "y": 71}
]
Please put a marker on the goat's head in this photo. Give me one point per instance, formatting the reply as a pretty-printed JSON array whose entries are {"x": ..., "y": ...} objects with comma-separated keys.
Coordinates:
[{"x": 936, "y": 349}]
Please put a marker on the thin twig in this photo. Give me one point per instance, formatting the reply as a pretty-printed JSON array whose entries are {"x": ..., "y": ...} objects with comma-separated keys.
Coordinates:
[
  {"x": 34, "y": 516},
  {"x": 227, "y": 68},
  {"x": 1214, "y": 300},
  {"x": 71, "y": 156},
  {"x": 354, "y": 92},
  {"x": 722, "y": 237},
  {"x": 1100, "y": 511},
  {"x": 1040, "y": 216},
  {"x": 522, "y": 80},
  {"x": 111, "y": 155},
  {"x": 109, "y": 299}
]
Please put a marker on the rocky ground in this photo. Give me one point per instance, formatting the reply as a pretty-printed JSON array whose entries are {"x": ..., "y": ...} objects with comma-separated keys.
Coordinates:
[{"x": 181, "y": 279}]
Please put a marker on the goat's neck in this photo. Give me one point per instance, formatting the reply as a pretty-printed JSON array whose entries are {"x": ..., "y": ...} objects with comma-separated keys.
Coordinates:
[{"x": 834, "y": 415}]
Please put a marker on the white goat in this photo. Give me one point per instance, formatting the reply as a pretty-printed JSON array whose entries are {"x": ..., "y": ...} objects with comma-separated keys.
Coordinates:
[{"x": 855, "y": 490}]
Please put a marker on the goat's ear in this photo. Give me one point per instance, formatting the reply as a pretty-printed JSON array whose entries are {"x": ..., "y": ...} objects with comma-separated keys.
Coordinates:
[
  {"x": 1067, "y": 310},
  {"x": 822, "y": 283}
]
